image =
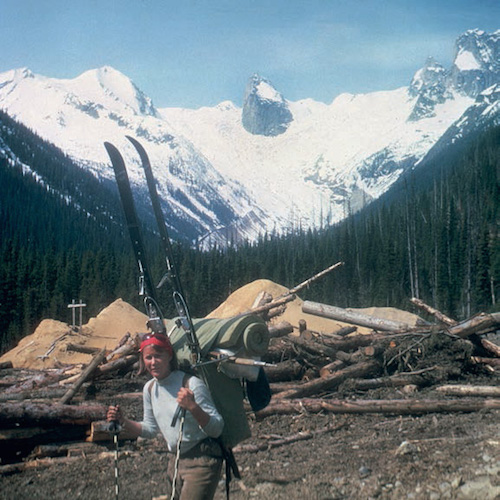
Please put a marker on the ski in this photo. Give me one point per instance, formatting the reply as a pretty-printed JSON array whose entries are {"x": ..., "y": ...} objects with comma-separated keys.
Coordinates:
[
  {"x": 146, "y": 289},
  {"x": 171, "y": 274}
]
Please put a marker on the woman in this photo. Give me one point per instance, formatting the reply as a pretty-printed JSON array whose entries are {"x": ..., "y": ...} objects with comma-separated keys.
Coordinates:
[{"x": 200, "y": 463}]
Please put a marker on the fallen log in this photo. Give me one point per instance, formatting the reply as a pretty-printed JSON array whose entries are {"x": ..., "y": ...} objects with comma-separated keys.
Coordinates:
[
  {"x": 334, "y": 366},
  {"x": 117, "y": 364},
  {"x": 360, "y": 355},
  {"x": 442, "y": 318},
  {"x": 64, "y": 449},
  {"x": 470, "y": 390},
  {"x": 44, "y": 393},
  {"x": 396, "y": 406},
  {"x": 286, "y": 370},
  {"x": 18, "y": 443},
  {"x": 32, "y": 414},
  {"x": 99, "y": 431},
  {"x": 271, "y": 305},
  {"x": 491, "y": 347},
  {"x": 346, "y": 330},
  {"x": 481, "y": 323},
  {"x": 493, "y": 362},
  {"x": 330, "y": 382},
  {"x": 98, "y": 359},
  {"x": 307, "y": 283},
  {"x": 38, "y": 380},
  {"x": 84, "y": 349},
  {"x": 280, "y": 330},
  {"x": 313, "y": 347},
  {"x": 353, "y": 317}
]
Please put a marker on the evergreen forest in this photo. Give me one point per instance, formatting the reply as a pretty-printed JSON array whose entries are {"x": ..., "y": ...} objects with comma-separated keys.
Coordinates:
[{"x": 434, "y": 235}]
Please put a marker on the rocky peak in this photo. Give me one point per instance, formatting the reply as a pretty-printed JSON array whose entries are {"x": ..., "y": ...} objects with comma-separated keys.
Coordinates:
[
  {"x": 265, "y": 111},
  {"x": 429, "y": 86},
  {"x": 477, "y": 62}
]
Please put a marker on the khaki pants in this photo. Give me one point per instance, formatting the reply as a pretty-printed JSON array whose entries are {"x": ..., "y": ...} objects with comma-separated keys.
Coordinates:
[{"x": 197, "y": 477}]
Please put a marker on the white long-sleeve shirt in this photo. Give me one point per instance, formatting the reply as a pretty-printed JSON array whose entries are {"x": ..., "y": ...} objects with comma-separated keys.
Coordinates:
[{"x": 160, "y": 404}]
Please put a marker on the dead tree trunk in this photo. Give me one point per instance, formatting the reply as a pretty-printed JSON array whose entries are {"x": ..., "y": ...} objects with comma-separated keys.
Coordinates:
[
  {"x": 32, "y": 414},
  {"x": 84, "y": 376},
  {"x": 396, "y": 407},
  {"x": 489, "y": 391},
  {"x": 480, "y": 323},
  {"x": 352, "y": 317},
  {"x": 331, "y": 382}
]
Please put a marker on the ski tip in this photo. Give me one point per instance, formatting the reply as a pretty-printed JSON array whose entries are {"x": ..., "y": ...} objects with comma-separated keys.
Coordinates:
[{"x": 135, "y": 143}]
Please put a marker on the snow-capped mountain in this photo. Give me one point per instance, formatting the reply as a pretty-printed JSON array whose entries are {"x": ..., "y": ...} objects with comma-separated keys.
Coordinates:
[{"x": 274, "y": 164}]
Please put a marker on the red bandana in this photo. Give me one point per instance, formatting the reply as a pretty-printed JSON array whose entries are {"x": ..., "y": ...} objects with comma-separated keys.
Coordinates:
[{"x": 159, "y": 340}]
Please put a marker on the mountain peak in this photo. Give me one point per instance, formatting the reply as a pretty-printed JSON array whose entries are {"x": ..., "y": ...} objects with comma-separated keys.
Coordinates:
[
  {"x": 265, "y": 111},
  {"x": 116, "y": 85},
  {"x": 477, "y": 62}
]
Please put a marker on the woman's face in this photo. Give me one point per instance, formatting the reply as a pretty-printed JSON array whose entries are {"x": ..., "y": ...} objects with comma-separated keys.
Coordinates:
[{"x": 157, "y": 361}]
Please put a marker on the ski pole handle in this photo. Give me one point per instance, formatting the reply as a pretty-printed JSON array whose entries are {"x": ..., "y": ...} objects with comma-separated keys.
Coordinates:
[{"x": 178, "y": 413}]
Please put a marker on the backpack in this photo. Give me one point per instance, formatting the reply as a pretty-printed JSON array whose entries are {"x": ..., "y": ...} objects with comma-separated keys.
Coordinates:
[{"x": 247, "y": 337}]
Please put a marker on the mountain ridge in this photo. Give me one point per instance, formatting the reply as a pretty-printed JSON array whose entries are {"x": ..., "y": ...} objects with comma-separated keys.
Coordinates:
[{"x": 294, "y": 164}]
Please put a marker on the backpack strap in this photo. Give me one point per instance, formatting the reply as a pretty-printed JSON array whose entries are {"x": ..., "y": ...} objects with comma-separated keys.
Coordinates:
[{"x": 150, "y": 386}]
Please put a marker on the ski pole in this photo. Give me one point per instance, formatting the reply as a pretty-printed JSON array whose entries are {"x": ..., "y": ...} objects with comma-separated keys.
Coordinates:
[{"x": 115, "y": 428}]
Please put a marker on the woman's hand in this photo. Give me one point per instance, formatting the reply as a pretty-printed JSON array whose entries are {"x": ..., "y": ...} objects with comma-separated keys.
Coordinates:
[
  {"x": 185, "y": 399},
  {"x": 114, "y": 414}
]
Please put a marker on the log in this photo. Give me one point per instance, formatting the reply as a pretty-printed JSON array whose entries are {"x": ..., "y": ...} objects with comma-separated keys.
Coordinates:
[
  {"x": 331, "y": 382},
  {"x": 271, "y": 305},
  {"x": 280, "y": 329},
  {"x": 98, "y": 359},
  {"x": 360, "y": 355},
  {"x": 18, "y": 443},
  {"x": 352, "y": 317},
  {"x": 396, "y": 407},
  {"x": 330, "y": 368},
  {"x": 116, "y": 365},
  {"x": 286, "y": 370},
  {"x": 346, "y": 330},
  {"x": 442, "y": 318},
  {"x": 307, "y": 283},
  {"x": 47, "y": 393},
  {"x": 470, "y": 390},
  {"x": 493, "y": 362},
  {"x": 356, "y": 341},
  {"x": 123, "y": 350},
  {"x": 99, "y": 431},
  {"x": 491, "y": 347},
  {"x": 481, "y": 323},
  {"x": 313, "y": 347},
  {"x": 66, "y": 449},
  {"x": 32, "y": 414},
  {"x": 40, "y": 379},
  {"x": 84, "y": 349}
]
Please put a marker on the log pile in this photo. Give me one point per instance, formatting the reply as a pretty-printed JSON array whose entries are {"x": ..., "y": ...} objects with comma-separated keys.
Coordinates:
[
  {"x": 312, "y": 372},
  {"x": 313, "y": 367}
]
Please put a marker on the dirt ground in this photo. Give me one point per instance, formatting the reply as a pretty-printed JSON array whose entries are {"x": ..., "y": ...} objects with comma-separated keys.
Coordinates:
[{"x": 432, "y": 456}]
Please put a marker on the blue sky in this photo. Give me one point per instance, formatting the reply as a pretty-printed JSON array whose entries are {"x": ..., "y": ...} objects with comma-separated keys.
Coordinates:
[{"x": 193, "y": 53}]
